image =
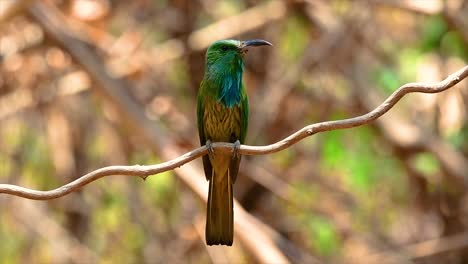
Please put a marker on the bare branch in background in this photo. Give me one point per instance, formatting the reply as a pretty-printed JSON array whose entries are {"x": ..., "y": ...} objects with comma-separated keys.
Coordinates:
[
  {"x": 235, "y": 25},
  {"x": 11, "y": 8},
  {"x": 425, "y": 248},
  {"x": 53, "y": 232},
  {"x": 430, "y": 7}
]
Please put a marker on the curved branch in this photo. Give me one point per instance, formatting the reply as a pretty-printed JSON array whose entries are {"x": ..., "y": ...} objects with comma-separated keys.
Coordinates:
[{"x": 144, "y": 171}]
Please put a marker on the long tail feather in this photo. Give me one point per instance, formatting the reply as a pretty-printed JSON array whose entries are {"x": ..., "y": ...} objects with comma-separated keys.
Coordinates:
[{"x": 220, "y": 213}]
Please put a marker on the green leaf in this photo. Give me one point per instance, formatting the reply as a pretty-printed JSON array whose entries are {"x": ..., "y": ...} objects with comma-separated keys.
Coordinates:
[
  {"x": 426, "y": 163},
  {"x": 323, "y": 235},
  {"x": 433, "y": 32},
  {"x": 453, "y": 44},
  {"x": 388, "y": 79},
  {"x": 294, "y": 39},
  {"x": 333, "y": 152}
]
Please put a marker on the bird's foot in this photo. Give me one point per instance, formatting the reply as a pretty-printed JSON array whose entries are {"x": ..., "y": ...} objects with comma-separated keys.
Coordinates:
[
  {"x": 235, "y": 149},
  {"x": 209, "y": 146}
]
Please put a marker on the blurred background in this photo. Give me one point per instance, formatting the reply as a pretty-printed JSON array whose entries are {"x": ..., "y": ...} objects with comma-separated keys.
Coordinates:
[{"x": 90, "y": 83}]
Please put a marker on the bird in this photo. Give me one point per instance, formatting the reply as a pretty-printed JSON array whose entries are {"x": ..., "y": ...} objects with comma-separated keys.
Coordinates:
[{"x": 222, "y": 116}]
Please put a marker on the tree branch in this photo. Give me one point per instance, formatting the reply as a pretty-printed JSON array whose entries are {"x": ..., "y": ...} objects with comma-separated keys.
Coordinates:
[{"x": 144, "y": 171}]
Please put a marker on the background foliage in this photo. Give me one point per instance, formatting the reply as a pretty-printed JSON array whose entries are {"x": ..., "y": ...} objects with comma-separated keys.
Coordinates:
[{"x": 380, "y": 192}]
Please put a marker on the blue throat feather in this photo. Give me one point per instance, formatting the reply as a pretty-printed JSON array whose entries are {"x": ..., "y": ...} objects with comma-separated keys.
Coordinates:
[
  {"x": 230, "y": 94},
  {"x": 228, "y": 78}
]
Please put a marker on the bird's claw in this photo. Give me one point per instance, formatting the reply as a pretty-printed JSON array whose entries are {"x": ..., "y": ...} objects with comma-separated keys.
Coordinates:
[
  {"x": 209, "y": 146},
  {"x": 235, "y": 149}
]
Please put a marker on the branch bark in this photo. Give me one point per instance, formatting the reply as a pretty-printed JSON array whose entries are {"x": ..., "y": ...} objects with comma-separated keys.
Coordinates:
[{"x": 144, "y": 171}]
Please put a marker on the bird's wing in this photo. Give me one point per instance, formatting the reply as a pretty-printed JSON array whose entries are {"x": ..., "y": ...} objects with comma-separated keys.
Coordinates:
[
  {"x": 244, "y": 114},
  {"x": 244, "y": 117},
  {"x": 201, "y": 133}
]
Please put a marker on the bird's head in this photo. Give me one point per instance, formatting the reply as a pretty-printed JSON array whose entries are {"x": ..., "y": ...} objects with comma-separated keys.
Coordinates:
[{"x": 230, "y": 52}]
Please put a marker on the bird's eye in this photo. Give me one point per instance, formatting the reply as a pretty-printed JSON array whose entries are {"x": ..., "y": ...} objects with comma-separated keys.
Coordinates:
[{"x": 224, "y": 48}]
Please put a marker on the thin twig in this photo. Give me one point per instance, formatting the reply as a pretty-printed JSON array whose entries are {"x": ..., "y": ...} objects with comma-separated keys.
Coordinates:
[
  {"x": 145, "y": 171},
  {"x": 9, "y": 9},
  {"x": 424, "y": 249}
]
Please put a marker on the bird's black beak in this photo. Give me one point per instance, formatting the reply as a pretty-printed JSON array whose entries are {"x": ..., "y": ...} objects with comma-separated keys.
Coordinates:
[{"x": 253, "y": 42}]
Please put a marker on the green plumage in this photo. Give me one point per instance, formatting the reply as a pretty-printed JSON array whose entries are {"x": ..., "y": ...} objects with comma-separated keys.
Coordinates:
[{"x": 222, "y": 115}]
